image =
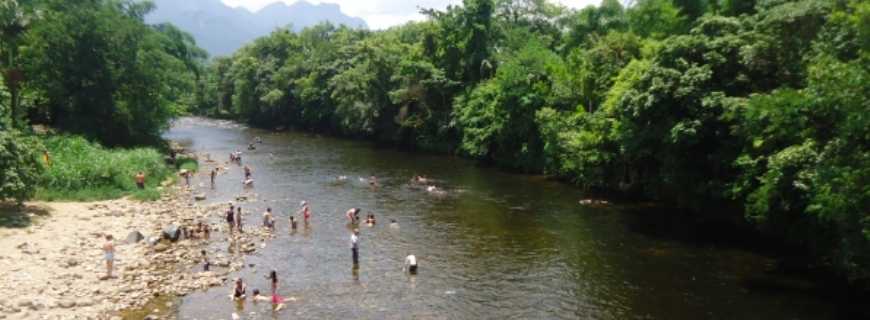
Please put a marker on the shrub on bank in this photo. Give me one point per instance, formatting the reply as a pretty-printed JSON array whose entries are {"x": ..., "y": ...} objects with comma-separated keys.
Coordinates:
[{"x": 83, "y": 170}]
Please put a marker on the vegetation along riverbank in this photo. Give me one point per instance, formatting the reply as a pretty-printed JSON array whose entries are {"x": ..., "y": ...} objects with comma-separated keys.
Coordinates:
[
  {"x": 760, "y": 106},
  {"x": 757, "y": 105}
]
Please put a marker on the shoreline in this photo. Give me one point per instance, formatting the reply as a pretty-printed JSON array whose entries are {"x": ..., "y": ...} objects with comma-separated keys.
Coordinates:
[{"x": 50, "y": 269}]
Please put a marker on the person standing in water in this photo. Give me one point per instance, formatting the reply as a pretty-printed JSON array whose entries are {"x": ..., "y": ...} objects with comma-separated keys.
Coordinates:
[
  {"x": 411, "y": 264},
  {"x": 239, "y": 289},
  {"x": 247, "y": 172},
  {"x": 213, "y": 175},
  {"x": 292, "y": 223},
  {"x": 239, "y": 219},
  {"x": 268, "y": 220},
  {"x": 140, "y": 180},
  {"x": 353, "y": 215},
  {"x": 231, "y": 219},
  {"x": 109, "y": 255},
  {"x": 205, "y": 263},
  {"x": 306, "y": 212},
  {"x": 354, "y": 247}
]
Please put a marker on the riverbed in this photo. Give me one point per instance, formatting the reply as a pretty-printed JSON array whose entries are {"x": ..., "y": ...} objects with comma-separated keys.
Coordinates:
[{"x": 493, "y": 245}]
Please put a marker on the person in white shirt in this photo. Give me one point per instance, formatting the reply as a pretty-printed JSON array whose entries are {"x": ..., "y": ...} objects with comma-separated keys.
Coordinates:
[
  {"x": 411, "y": 264},
  {"x": 354, "y": 246}
]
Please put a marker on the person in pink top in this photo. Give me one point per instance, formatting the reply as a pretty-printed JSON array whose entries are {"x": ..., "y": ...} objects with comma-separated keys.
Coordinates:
[{"x": 306, "y": 211}]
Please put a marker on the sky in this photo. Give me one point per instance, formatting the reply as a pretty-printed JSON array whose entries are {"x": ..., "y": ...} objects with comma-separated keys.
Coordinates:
[{"x": 380, "y": 14}]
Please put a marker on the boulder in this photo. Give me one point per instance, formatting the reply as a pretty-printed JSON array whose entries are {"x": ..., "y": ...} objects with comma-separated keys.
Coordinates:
[
  {"x": 199, "y": 197},
  {"x": 135, "y": 237},
  {"x": 171, "y": 232}
]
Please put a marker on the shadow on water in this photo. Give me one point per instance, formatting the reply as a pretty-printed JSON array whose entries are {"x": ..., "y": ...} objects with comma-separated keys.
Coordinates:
[
  {"x": 784, "y": 271},
  {"x": 13, "y": 216}
]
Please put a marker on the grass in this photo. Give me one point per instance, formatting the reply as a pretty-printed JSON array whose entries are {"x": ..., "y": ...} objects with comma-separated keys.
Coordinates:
[{"x": 81, "y": 170}]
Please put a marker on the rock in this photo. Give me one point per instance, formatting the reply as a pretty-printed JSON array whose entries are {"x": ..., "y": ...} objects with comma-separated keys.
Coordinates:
[
  {"x": 84, "y": 302},
  {"x": 66, "y": 304},
  {"x": 171, "y": 232},
  {"x": 241, "y": 198},
  {"x": 25, "y": 303},
  {"x": 150, "y": 317},
  {"x": 199, "y": 197},
  {"x": 135, "y": 237},
  {"x": 153, "y": 240},
  {"x": 160, "y": 247},
  {"x": 116, "y": 213}
]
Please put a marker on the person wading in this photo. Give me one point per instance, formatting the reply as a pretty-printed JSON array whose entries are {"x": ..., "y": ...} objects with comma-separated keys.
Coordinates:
[{"x": 354, "y": 247}]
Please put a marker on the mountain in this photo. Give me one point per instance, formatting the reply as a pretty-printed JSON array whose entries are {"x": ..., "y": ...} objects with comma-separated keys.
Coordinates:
[{"x": 221, "y": 30}]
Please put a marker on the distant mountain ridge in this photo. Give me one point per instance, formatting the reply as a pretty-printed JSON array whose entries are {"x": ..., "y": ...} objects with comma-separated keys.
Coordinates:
[{"x": 221, "y": 29}]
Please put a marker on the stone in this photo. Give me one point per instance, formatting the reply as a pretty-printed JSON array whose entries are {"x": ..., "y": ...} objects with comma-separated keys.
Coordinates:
[
  {"x": 153, "y": 240},
  {"x": 84, "y": 302},
  {"x": 160, "y": 247},
  {"x": 135, "y": 237},
  {"x": 199, "y": 197},
  {"x": 171, "y": 232},
  {"x": 66, "y": 304}
]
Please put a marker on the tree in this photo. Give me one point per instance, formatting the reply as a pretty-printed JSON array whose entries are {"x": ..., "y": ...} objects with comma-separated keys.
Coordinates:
[{"x": 20, "y": 168}]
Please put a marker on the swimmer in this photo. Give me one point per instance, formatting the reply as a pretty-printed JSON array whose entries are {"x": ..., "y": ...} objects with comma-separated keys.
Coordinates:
[
  {"x": 239, "y": 290},
  {"x": 411, "y": 264},
  {"x": 353, "y": 215},
  {"x": 394, "y": 224},
  {"x": 258, "y": 297},
  {"x": 373, "y": 181},
  {"x": 370, "y": 220}
]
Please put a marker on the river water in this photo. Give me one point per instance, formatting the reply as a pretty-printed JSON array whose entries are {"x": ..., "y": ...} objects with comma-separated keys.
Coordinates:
[{"x": 495, "y": 246}]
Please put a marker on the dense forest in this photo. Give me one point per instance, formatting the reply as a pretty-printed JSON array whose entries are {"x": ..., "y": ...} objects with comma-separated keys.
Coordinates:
[
  {"x": 757, "y": 105},
  {"x": 89, "y": 68}
]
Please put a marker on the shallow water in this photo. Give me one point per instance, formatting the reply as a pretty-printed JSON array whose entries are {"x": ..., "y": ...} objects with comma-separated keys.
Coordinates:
[{"x": 496, "y": 246}]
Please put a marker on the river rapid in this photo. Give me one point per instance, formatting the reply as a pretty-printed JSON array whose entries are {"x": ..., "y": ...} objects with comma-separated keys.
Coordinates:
[{"x": 493, "y": 246}]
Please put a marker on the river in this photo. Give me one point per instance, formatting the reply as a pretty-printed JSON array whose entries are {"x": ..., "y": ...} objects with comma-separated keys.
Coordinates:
[{"x": 494, "y": 246}]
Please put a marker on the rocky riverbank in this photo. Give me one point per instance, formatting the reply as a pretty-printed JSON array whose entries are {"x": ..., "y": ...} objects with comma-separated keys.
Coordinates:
[{"x": 52, "y": 268}]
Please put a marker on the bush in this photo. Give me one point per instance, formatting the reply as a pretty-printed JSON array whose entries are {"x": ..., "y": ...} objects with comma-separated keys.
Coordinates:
[
  {"x": 82, "y": 170},
  {"x": 19, "y": 166}
]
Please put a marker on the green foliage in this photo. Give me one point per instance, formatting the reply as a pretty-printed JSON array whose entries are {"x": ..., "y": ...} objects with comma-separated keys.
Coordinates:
[
  {"x": 82, "y": 170},
  {"x": 20, "y": 166},
  {"x": 753, "y": 104},
  {"x": 95, "y": 68}
]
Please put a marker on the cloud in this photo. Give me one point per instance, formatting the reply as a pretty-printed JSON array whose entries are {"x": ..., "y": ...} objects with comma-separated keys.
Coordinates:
[{"x": 380, "y": 14}]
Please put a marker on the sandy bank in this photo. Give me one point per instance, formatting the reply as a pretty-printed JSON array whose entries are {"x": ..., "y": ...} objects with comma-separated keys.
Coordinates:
[{"x": 51, "y": 269}]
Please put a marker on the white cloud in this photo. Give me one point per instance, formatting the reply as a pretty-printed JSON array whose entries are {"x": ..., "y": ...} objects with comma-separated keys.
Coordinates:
[{"x": 380, "y": 14}]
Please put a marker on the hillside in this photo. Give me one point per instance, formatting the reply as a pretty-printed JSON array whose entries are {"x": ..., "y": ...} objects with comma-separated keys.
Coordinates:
[{"x": 221, "y": 29}]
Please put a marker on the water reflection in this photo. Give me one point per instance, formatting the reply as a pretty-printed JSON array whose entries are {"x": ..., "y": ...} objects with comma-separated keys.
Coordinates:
[{"x": 493, "y": 245}]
